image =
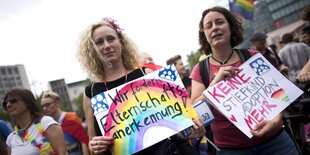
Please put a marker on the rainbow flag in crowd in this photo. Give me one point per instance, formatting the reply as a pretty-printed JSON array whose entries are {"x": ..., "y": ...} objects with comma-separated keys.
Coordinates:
[{"x": 243, "y": 7}]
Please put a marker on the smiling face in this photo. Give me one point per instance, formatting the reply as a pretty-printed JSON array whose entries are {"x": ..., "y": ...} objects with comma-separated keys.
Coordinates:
[
  {"x": 216, "y": 29},
  {"x": 107, "y": 44}
]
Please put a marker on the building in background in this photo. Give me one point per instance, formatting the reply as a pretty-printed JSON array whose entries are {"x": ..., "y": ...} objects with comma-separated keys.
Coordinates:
[
  {"x": 60, "y": 87},
  {"x": 13, "y": 76},
  {"x": 68, "y": 92},
  {"x": 75, "y": 89},
  {"x": 275, "y": 17}
]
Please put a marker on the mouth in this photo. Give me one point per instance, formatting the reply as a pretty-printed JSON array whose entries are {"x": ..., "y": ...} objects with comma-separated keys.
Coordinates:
[
  {"x": 217, "y": 35},
  {"x": 108, "y": 53}
]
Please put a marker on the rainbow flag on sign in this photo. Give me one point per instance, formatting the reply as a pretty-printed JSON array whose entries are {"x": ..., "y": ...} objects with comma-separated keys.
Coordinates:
[{"x": 242, "y": 7}]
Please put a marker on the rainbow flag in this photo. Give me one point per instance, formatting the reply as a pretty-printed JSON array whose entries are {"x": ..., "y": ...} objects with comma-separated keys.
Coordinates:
[{"x": 243, "y": 7}]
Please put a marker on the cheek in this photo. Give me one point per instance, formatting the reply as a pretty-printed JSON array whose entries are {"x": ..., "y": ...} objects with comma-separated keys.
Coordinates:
[{"x": 207, "y": 36}]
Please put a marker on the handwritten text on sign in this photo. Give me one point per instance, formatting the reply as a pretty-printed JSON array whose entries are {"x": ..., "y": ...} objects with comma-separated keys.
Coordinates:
[
  {"x": 256, "y": 92},
  {"x": 135, "y": 112}
]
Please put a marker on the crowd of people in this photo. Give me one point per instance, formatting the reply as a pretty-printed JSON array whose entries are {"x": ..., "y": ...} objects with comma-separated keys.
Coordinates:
[{"x": 111, "y": 59}]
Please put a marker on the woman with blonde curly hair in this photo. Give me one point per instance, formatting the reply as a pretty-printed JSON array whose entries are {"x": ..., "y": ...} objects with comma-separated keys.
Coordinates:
[{"x": 110, "y": 58}]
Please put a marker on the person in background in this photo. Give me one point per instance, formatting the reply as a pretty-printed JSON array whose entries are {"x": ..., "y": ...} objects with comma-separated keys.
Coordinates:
[
  {"x": 305, "y": 38},
  {"x": 34, "y": 133},
  {"x": 294, "y": 55},
  {"x": 111, "y": 59},
  {"x": 75, "y": 135},
  {"x": 5, "y": 130},
  {"x": 304, "y": 75},
  {"x": 273, "y": 48},
  {"x": 259, "y": 41},
  {"x": 148, "y": 62},
  {"x": 177, "y": 61},
  {"x": 305, "y": 16},
  {"x": 220, "y": 31}
]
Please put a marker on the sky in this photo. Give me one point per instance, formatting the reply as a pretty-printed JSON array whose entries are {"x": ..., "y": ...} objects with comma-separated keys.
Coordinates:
[{"x": 42, "y": 34}]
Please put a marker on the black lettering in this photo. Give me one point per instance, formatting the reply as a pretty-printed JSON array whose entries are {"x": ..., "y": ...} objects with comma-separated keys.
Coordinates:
[
  {"x": 153, "y": 99},
  {"x": 134, "y": 92}
]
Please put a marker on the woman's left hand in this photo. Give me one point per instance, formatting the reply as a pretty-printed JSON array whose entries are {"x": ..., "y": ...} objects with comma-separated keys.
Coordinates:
[
  {"x": 197, "y": 130},
  {"x": 267, "y": 128}
]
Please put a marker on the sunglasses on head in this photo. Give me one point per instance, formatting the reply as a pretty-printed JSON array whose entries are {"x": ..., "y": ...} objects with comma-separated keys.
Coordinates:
[{"x": 12, "y": 100}]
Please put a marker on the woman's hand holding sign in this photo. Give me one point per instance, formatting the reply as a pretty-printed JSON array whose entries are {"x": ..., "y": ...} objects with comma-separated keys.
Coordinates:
[
  {"x": 223, "y": 73},
  {"x": 100, "y": 144},
  {"x": 267, "y": 127},
  {"x": 197, "y": 130}
]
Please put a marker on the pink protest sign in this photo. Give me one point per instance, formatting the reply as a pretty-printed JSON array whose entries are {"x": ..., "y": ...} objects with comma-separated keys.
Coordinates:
[{"x": 257, "y": 92}]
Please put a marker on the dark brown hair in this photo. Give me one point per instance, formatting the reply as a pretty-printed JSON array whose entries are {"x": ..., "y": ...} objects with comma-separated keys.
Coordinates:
[
  {"x": 235, "y": 25},
  {"x": 28, "y": 98},
  {"x": 173, "y": 59},
  {"x": 287, "y": 38}
]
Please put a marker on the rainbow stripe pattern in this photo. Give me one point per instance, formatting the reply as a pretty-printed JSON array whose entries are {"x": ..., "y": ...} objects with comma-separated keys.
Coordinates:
[
  {"x": 280, "y": 95},
  {"x": 145, "y": 111},
  {"x": 243, "y": 7}
]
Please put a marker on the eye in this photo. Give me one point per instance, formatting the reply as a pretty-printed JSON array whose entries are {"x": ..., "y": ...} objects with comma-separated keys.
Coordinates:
[
  {"x": 220, "y": 22},
  {"x": 99, "y": 42},
  {"x": 208, "y": 25},
  {"x": 110, "y": 39}
]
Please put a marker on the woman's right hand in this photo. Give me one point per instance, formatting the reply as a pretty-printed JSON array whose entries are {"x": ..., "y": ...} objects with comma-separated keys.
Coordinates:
[
  {"x": 303, "y": 77},
  {"x": 223, "y": 73},
  {"x": 100, "y": 144}
]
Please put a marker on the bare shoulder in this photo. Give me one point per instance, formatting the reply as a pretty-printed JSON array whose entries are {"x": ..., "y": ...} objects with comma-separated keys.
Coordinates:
[{"x": 147, "y": 70}]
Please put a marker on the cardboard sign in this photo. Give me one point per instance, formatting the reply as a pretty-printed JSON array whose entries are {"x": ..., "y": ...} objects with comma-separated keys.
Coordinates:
[
  {"x": 144, "y": 111},
  {"x": 257, "y": 92}
]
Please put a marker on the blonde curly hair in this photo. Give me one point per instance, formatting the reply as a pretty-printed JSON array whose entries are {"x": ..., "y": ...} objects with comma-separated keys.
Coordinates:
[{"x": 87, "y": 55}]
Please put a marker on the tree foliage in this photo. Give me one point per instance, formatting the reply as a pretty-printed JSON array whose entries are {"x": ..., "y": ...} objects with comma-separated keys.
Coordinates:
[{"x": 193, "y": 59}]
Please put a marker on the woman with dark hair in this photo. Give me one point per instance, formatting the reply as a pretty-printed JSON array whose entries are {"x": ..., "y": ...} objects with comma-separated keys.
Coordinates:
[
  {"x": 220, "y": 31},
  {"x": 34, "y": 133}
]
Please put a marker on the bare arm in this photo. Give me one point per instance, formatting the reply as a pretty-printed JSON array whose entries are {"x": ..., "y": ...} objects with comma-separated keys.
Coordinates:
[
  {"x": 306, "y": 68},
  {"x": 97, "y": 144},
  {"x": 89, "y": 117},
  {"x": 304, "y": 74},
  {"x": 85, "y": 149},
  {"x": 197, "y": 89},
  {"x": 56, "y": 137}
]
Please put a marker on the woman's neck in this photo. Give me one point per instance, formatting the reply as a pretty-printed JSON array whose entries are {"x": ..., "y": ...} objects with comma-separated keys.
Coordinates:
[
  {"x": 221, "y": 53},
  {"x": 24, "y": 120},
  {"x": 57, "y": 114},
  {"x": 114, "y": 72}
]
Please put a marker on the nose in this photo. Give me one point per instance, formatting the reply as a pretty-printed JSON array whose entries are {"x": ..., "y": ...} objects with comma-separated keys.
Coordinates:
[{"x": 106, "y": 45}]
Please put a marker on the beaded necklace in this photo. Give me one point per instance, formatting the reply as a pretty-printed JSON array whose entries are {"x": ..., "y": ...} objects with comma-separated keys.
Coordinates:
[
  {"x": 45, "y": 147},
  {"x": 223, "y": 63}
]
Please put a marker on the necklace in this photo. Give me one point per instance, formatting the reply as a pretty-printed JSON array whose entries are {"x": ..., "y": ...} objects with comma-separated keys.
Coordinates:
[
  {"x": 223, "y": 63},
  {"x": 45, "y": 147},
  {"x": 106, "y": 86}
]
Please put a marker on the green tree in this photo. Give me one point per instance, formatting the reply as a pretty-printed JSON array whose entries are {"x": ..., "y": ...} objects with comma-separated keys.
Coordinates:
[
  {"x": 193, "y": 59},
  {"x": 79, "y": 103}
]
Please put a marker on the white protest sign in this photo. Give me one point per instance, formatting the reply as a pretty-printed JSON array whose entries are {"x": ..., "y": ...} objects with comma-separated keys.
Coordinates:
[
  {"x": 257, "y": 92},
  {"x": 145, "y": 111}
]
